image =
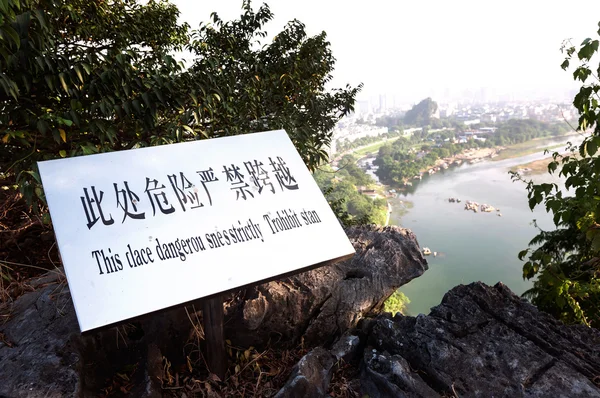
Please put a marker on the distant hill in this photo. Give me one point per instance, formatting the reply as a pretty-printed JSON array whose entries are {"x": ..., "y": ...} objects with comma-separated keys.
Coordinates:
[{"x": 420, "y": 114}]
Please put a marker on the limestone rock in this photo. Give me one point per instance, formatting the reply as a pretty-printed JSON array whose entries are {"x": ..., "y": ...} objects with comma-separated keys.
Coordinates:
[
  {"x": 310, "y": 377},
  {"x": 39, "y": 351},
  {"x": 485, "y": 341},
  {"x": 346, "y": 348},
  {"x": 42, "y": 352},
  {"x": 385, "y": 375},
  {"x": 320, "y": 305}
]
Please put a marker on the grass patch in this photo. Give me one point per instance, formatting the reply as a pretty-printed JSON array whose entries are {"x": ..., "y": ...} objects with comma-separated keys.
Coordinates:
[
  {"x": 537, "y": 166},
  {"x": 541, "y": 166},
  {"x": 529, "y": 147},
  {"x": 373, "y": 148}
]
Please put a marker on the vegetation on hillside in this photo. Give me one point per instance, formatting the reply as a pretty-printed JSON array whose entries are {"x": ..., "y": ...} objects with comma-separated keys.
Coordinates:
[
  {"x": 341, "y": 189},
  {"x": 520, "y": 130},
  {"x": 565, "y": 263},
  {"x": 406, "y": 158},
  {"x": 421, "y": 114}
]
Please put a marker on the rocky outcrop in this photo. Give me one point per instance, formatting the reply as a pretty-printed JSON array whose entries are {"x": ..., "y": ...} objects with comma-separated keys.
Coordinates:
[
  {"x": 40, "y": 344},
  {"x": 42, "y": 352},
  {"x": 310, "y": 377},
  {"x": 320, "y": 305},
  {"x": 481, "y": 341}
]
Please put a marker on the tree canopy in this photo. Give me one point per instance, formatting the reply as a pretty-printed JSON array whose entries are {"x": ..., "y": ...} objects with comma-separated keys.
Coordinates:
[
  {"x": 87, "y": 76},
  {"x": 566, "y": 262}
]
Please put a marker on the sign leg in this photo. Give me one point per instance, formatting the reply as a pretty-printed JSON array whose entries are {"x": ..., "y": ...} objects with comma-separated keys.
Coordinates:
[{"x": 212, "y": 315}]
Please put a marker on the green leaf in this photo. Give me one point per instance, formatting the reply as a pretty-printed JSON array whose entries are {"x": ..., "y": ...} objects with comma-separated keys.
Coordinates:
[
  {"x": 596, "y": 243},
  {"x": 61, "y": 77},
  {"x": 523, "y": 253},
  {"x": 189, "y": 129},
  {"x": 42, "y": 126},
  {"x": 86, "y": 67},
  {"x": 591, "y": 147},
  {"x": 49, "y": 81},
  {"x": 136, "y": 106},
  {"x": 78, "y": 73},
  {"x": 12, "y": 34}
]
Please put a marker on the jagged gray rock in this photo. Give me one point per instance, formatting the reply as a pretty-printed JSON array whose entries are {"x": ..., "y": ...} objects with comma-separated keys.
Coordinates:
[
  {"x": 320, "y": 305},
  {"x": 346, "y": 348},
  {"x": 42, "y": 352},
  {"x": 38, "y": 356},
  {"x": 485, "y": 341},
  {"x": 310, "y": 377},
  {"x": 384, "y": 375}
]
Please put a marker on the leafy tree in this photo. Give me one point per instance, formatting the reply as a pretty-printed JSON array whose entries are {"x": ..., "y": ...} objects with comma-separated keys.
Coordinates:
[
  {"x": 566, "y": 261},
  {"x": 82, "y": 77},
  {"x": 88, "y": 76},
  {"x": 260, "y": 87}
]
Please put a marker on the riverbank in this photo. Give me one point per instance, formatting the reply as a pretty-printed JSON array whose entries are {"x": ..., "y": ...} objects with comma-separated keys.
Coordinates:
[
  {"x": 539, "y": 166},
  {"x": 499, "y": 153},
  {"x": 533, "y": 146},
  {"x": 535, "y": 167}
]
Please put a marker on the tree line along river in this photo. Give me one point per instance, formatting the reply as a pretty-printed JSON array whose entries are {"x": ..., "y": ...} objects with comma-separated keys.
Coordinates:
[{"x": 470, "y": 246}]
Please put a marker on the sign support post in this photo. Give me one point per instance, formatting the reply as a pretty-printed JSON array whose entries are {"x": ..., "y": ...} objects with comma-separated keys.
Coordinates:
[{"x": 212, "y": 318}]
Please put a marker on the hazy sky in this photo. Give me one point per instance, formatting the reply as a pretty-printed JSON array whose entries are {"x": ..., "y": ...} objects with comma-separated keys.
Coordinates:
[{"x": 413, "y": 49}]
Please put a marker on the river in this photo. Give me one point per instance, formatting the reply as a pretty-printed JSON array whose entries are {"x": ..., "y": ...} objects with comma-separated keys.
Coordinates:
[{"x": 471, "y": 246}]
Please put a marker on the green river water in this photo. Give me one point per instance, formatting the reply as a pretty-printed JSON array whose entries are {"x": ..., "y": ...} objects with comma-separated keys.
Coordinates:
[{"x": 471, "y": 246}]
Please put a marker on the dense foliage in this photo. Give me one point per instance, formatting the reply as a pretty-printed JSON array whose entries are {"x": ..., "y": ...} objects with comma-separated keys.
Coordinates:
[
  {"x": 341, "y": 188},
  {"x": 404, "y": 159},
  {"x": 566, "y": 262},
  {"x": 520, "y": 130},
  {"x": 87, "y": 76}
]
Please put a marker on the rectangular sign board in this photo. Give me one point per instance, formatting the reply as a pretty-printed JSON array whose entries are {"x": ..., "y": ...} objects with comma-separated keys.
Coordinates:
[{"x": 146, "y": 229}]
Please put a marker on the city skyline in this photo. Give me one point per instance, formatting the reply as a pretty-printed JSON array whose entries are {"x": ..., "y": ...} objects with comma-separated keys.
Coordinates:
[{"x": 437, "y": 49}]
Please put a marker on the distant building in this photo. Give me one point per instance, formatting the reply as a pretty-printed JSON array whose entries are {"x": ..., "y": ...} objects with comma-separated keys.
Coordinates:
[
  {"x": 363, "y": 107},
  {"x": 489, "y": 117},
  {"x": 382, "y": 103}
]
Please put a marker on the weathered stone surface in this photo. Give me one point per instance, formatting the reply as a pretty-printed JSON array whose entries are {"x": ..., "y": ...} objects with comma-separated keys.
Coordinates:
[
  {"x": 321, "y": 304},
  {"x": 346, "y": 348},
  {"x": 43, "y": 354},
  {"x": 39, "y": 354},
  {"x": 485, "y": 341},
  {"x": 310, "y": 377},
  {"x": 385, "y": 375}
]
